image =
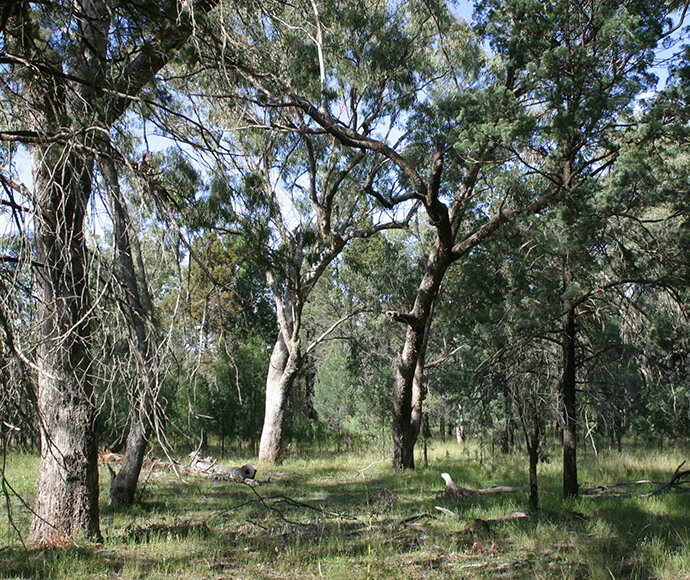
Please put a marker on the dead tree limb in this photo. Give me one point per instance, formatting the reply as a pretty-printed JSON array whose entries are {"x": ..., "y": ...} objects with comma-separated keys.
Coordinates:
[
  {"x": 454, "y": 490},
  {"x": 676, "y": 481}
]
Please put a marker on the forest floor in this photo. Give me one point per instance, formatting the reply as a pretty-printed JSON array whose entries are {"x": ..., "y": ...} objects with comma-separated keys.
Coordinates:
[{"x": 350, "y": 516}]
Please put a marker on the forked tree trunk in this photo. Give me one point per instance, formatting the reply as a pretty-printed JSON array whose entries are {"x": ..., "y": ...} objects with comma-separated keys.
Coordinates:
[
  {"x": 419, "y": 388},
  {"x": 66, "y": 503},
  {"x": 411, "y": 363},
  {"x": 404, "y": 437},
  {"x": 282, "y": 370}
]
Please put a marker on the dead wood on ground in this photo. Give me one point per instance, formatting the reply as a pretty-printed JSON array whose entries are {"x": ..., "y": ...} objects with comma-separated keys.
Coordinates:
[
  {"x": 678, "y": 481},
  {"x": 454, "y": 490},
  {"x": 208, "y": 467}
]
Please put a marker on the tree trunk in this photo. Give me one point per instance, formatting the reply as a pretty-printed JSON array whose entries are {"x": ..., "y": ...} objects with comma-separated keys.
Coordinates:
[
  {"x": 533, "y": 451},
  {"x": 67, "y": 493},
  {"x": 140, "y": 315},
  {"x": 418, "y": 386},
  {"x": 411, "y": 363},
  {"x": 403, "y": 437},
  {"x": 283, "y": 368},
  {"x": 567, "y": 397},
  {"x": 460, "y": 427},
  {"x": 64, "y": 102}
]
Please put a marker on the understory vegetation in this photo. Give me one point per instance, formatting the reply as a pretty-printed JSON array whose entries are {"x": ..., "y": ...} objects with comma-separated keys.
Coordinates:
[{"x": 350, "y": 516}]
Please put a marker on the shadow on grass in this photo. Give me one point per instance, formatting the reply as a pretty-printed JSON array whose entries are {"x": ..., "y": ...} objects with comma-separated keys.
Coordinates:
[{"x": 340, "y": 520}]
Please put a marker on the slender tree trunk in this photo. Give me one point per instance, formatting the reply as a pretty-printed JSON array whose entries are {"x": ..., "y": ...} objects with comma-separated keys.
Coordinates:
[
  {"x": 282, "y": 371},
  {"x": 66, "y": 503},
  {"x": 124, "y": 484},
  {"x": 460, "y": 427},
  {"x": 567, "y": 397},
  {"x": 533, "y": 451}
]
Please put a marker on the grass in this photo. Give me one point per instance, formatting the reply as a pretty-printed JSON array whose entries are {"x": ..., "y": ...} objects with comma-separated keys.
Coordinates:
[{"x": 342, "y": 517}]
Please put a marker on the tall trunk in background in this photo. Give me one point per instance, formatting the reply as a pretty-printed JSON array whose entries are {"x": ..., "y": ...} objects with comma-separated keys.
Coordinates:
[
  {"x": 460, "y": 427},
  {"x": 140, "y": 316},
  {"x": 568, "y": 392},
  {"x": 532, "y": 440}
]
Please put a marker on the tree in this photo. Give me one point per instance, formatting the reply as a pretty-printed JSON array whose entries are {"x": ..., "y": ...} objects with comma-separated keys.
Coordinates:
[
  {"x": 301, "y": 194},
  {"x": 68, "y": 92}
]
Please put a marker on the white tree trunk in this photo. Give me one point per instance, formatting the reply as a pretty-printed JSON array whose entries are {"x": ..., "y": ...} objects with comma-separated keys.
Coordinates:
[{"x": 283, "y": 368}]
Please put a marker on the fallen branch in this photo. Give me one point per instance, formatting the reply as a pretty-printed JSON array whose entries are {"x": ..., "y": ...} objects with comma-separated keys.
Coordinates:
[
  {"x": 454, "y": 490},
  {"x": 611, "y": 489},
  {"x": 411, "y": 518},
  {"x": 674, "y": 481}
]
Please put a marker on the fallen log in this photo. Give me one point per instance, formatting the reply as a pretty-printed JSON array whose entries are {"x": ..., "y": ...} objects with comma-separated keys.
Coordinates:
[
  {"x": 454, "y": 490},
  {"x": 208, "y": 467}
]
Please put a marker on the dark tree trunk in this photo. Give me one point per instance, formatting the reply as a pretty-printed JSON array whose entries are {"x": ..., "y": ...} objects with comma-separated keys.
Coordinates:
[
  {"x": 140, "y": 315},
  {"x": 567, "y": 397},
  {"x": 403, "y": 436},
  {"x": 533, "y": 451},
  {"x": 410, "y": 367}
]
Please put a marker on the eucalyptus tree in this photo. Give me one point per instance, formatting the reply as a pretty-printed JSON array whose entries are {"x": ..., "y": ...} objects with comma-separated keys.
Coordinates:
[
  {"x": 297, "y": 192},
  {"x": 71, "y": 71},
  {"x": 310, "y": 201},
  {"x": 385, "y": 63}
]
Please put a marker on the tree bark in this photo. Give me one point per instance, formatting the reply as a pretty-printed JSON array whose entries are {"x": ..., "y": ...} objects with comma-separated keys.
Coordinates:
[
  {"x": 66, "y": 504},
  {"x": 533, "y": 451},
  {"x": 123, "y": 486},
  {"x": 411, "y": 362},
  {"x": 460, "y": 427},
  {"x": 283, "y": 368},
  {"x": 568, "y": 394},
  {"x": 66, "y": 109}
]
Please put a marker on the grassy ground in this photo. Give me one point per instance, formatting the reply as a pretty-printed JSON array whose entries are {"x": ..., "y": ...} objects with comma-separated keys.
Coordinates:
[{"x": 351, "y": 517}]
